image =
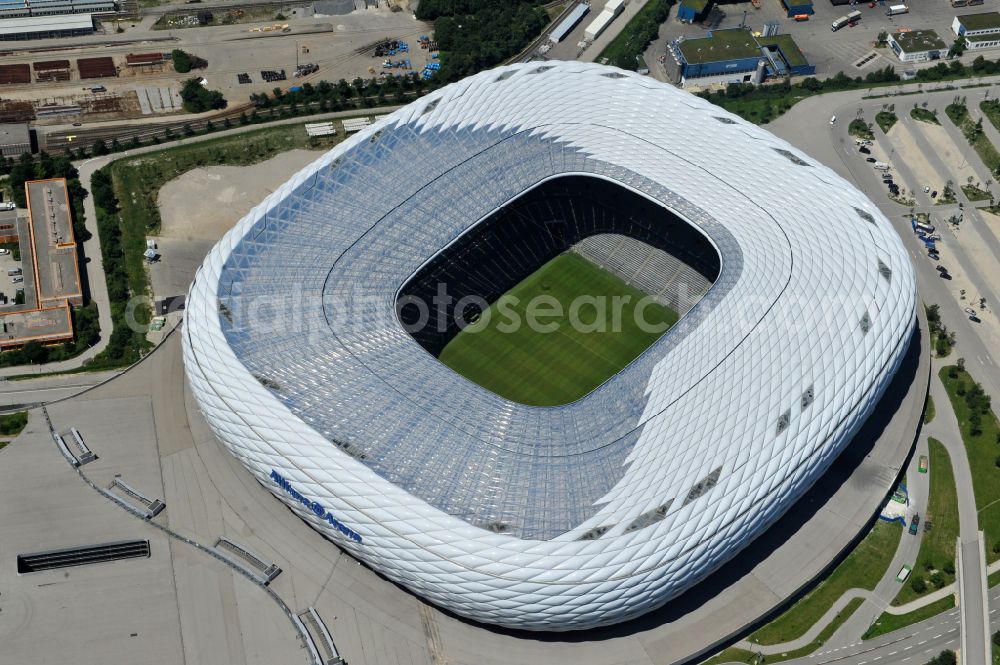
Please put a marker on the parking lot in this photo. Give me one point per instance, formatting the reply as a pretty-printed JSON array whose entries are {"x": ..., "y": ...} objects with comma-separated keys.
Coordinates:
[
  {"x": 926, "y": 160},
  {"x": 830, "y": 51}
]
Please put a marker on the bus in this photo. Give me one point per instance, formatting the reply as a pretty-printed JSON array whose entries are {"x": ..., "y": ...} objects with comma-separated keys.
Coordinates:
[{"x": 838, "y": 24}]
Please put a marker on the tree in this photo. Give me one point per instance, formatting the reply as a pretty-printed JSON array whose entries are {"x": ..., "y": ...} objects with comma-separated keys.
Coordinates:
[
  {"x": 958, "y": 48},
  {"x": 197, "y": 98},
  {"x": 100, "y": 147},
  {"x": 918, "y": 584}
]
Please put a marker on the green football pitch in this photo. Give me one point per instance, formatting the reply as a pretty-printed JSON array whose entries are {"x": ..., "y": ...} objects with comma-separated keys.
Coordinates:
[{"x": 549, "y": 368}]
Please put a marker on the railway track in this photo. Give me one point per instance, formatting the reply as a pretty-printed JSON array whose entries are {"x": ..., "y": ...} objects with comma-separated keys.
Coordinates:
[{"x": 60, "y": 141}]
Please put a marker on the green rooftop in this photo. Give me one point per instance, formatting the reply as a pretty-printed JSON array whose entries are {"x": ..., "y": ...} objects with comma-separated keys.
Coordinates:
[
  {"x": 796, "y": 3},
  {"x": 992, "y": 37},
  {"x": 983, "y": 21},
  {"x": 919, "y": 40},
  {"x": 722, "y": 45},
  {"x": 793, "y": 54}
]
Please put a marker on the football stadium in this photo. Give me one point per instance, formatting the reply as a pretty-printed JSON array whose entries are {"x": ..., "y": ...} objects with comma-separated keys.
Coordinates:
[{"x": 549, "y": 345}]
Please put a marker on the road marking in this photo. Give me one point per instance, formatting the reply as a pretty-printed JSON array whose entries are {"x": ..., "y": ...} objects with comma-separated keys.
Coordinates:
[
  {"x": 893, "y": 653},
  {"x": 907, "y": 658},
  {"x": 935, "y": 637},
  {"x": 953, "y": 630},
  {"x": 876, "y": 658},
  {"x": 924, "y": 642},
  {"x": 907, "y": 648}
]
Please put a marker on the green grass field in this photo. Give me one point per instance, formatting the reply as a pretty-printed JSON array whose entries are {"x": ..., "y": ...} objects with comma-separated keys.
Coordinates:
[
  {"x": 861, "y": 569},
  {"x": 552, "y": 368}
]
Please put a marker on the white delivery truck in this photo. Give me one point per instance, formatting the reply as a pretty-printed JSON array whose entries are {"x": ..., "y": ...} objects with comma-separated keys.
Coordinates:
[
  {"x": 839, "y": 23},
  {"x": 895, "y": 10}
]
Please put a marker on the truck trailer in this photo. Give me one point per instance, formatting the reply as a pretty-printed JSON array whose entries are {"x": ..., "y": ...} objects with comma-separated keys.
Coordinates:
[
  {"x": 839, "y": 23},
  {"x": 895, "y": 10}
]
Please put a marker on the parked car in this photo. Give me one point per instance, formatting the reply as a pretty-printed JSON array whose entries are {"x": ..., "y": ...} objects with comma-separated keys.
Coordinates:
[
  {"x": 934, "y": 194},
  {"x": 974, "y": 318},
  {"x": 941, "y": 268},
  {"x": 865, "y": 151},
  {"x": 945, "y": 275},
  {"x": 17, "y": 279},
  {"x": 4, "y": 252},
  {"x": 969, "y": 310},
  {"x": 914, "y": 523},
  {"x": 871, "y": 160}
]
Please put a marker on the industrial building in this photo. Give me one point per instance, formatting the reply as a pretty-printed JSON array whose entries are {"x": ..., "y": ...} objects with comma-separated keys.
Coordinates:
[
  {"x": 50, "y": 270},
  {"x": 27, "y": 8},
  {"x": 15, "y": 139},
  {"x": 610, "y": 12},
  {"x": 795, "y": 8},
  {"x": 690, "y": 11},
  {"x": 917, "y": 45},
  {"x": 596, "y": 511},
  {"x": 734, "y": 56},
  {"x": 46, "y": 27}
]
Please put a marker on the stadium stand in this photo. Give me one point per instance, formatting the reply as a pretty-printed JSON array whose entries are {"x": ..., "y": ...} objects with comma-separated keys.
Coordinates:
[{"x": 654, "y": 271}]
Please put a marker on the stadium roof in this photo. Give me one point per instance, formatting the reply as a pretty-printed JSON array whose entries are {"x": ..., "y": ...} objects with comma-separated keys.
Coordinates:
[{"x": 616, "y": 502}]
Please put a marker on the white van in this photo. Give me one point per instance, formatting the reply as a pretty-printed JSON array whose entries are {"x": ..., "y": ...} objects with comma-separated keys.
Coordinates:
[
  {"x": 833, "y": 119},
  {"x": 882, "y": 166}
]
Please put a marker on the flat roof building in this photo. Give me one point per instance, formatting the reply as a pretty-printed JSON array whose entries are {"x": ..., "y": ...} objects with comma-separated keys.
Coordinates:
[
  {"x": 567, "y": 24},
  {"x": 15, "y": 139},
  {"x": 51, "y": 273},
  {"x": 57, "y": 274},
  {"x": 735, "y": 56},
  {"x": 917, "y": 45},
  {"x": 27, "y": 8},
  {"x": 46, "y": 27},
  {"x": 973, "y": 25}
]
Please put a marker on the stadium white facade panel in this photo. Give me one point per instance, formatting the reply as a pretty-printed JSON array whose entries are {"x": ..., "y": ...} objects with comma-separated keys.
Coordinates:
[{"x": 612, "y": 505}]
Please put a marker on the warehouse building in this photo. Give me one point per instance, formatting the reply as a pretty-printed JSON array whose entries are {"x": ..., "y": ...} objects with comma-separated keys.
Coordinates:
[
  {"x": 46, "y": 27},
  {"x": 567, "y": 24},
  {"x": 28, "y": 8},
  {"x": 735, "y": 56},
  {"x": 917, "y": 45},
  {"x": 15, "y": 139}
]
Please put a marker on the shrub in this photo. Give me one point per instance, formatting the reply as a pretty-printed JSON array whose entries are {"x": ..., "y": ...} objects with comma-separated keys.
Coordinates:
[
  {"x": 918, "y": 584},
  {"x": 12, "y": 423}
]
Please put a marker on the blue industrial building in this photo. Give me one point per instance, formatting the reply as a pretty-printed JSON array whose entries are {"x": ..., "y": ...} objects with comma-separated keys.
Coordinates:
[
  {"x": 689, "y": 11},
  {"x": 797, "y": 7},
  {"x": 736, "y": 56}
]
